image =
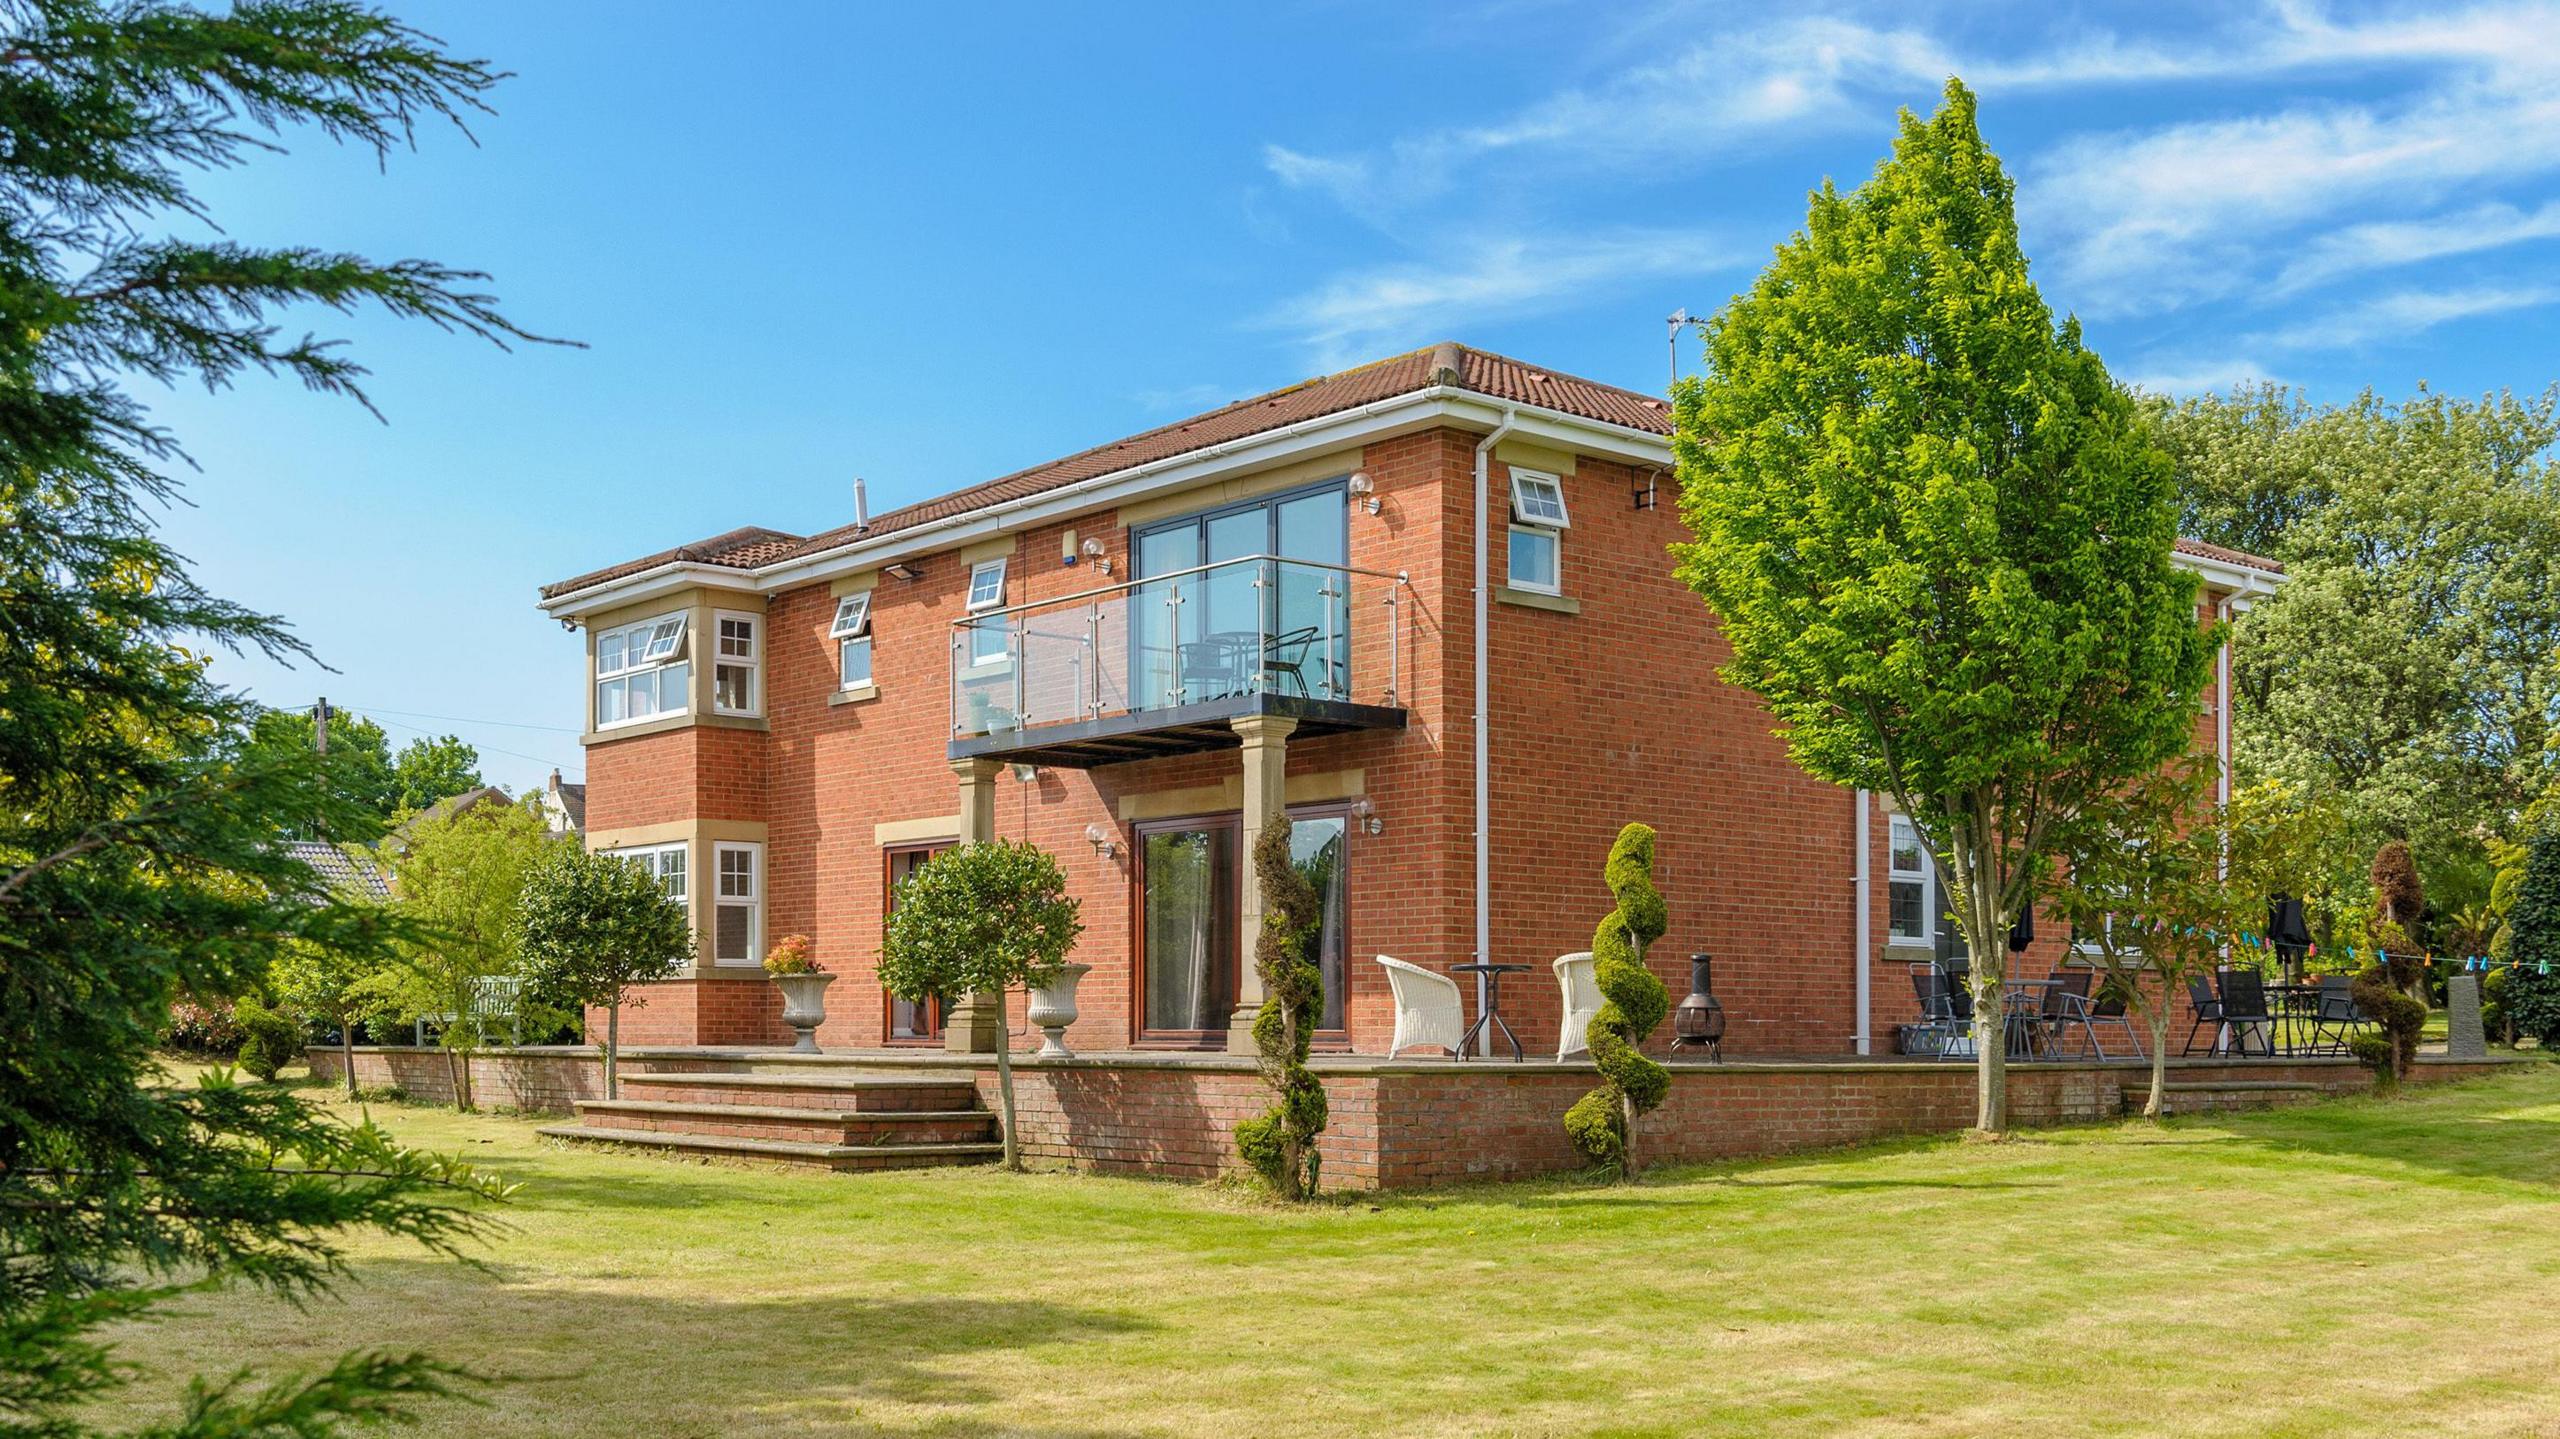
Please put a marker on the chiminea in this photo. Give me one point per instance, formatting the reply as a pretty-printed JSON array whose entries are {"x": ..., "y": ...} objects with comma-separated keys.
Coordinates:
[{"x": 1699, "y": 1021}]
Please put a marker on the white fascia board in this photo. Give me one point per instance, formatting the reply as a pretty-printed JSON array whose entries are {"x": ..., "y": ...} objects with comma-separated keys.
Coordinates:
[
  {"x": 1380, "y": 420},
  {"x": 2224, "y": 577}
]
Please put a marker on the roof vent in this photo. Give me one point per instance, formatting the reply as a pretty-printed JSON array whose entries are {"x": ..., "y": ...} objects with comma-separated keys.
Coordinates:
[
  {"x": 861, "y": 504},
  {"x": 1447, "y": 363}
]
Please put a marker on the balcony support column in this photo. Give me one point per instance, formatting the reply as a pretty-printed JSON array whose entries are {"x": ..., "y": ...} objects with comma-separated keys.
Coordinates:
[
  {"x": 1266, "y": 799},
  {"x": 976, "y": 1023}
]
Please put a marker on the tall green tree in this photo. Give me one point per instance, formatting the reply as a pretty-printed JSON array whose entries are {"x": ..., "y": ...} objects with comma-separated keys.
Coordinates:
[
  {"x": 458, "y": 881},
  {"x": 981, "y": 919},
  {"x": 386, "y": 785},
  {"x": 588, "y": 928},
  {"x": 2533, "y": 940},
  {"x": 431, "y": 768},
  {"x": 1936, "y": 534},
  {"x": 139, "y": 861},
  {"x": 2411, "y": 663}
]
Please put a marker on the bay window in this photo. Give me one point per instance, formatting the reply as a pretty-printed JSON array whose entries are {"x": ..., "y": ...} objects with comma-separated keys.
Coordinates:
[
  {"x": 664, "y": 863},
  {"x": 737, "y": 896},
  {"x": 735, "y": 665},
  {"x": 642, "y": 671}
]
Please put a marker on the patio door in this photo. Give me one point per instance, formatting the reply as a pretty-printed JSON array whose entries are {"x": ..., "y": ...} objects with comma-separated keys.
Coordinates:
[
  {"x": 1187, "y": 897},
  {"x": 908, "y": 1021}
]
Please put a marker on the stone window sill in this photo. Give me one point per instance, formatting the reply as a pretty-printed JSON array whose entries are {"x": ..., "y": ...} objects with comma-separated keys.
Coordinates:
[
  {"x": 855, "y": 695},
  {"x": 1537, "y": 600},
  {"x": 665, "y": 723}
]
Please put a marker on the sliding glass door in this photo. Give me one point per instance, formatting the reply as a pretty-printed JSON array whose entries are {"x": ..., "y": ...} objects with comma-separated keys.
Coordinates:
[
  {"x": 1231, "y": 630},
  {"x": 1189, "y": 883}
]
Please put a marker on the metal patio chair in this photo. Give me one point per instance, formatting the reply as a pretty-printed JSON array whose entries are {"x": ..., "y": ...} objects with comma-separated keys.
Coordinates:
[
  {"x": 2208, "y": 1010},
  {"x": 2244, "y": 1009}
]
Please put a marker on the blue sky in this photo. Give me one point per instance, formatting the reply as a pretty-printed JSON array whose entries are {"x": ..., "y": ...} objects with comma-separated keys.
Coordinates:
[{"x": 928, "y": 245}]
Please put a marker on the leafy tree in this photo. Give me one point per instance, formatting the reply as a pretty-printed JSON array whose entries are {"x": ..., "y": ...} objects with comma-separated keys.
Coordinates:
[
  {"x": 429, "y": 769},
  {"x": 2533, "y": 941},
  {"x": 138, "y": 858},
  {"x": 1936, "y": 536},
  {"x": 1281, "y": 1142},
  {"x": 387, "y": 786},
  {"x": 2411, "y": 662},
  {"x": 457, "y": 881},
  {"x": 1602, "y": 1123},
  {"x": 268, "y": 1041},
  {"x": 981, "y": 919},
  {"x": 589, "y": 927}
]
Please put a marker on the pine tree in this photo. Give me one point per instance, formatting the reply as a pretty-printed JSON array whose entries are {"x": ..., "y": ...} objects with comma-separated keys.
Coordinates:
[{"x": 139, "y": 826}]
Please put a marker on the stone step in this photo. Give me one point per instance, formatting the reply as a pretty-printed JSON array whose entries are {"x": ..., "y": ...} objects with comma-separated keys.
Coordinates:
[
  {"x": 866, "y": 1093},
  {"x": 791, "y": 1122},
  {"x": 839, "y": 1157},
  {"x": 2206, "y": 1096},
  {"x": 2242, "y": 1086}
]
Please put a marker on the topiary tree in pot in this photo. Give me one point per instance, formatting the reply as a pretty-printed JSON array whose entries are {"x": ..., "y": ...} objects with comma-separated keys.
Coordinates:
[
  {"x": 1280, "y": 1143},
  {"x": 981, "y": 918},
  {"x": 1603, "y": 1122}
]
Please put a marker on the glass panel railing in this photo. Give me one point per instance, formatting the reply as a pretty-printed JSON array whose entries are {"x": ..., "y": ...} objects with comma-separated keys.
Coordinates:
[{"x": 1239, "y": 627}]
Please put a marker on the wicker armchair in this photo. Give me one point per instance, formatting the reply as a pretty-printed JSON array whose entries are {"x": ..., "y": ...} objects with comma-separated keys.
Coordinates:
[
  {"x": 1428, "y": 1007},
  {"x": 1579, "y": 977}
]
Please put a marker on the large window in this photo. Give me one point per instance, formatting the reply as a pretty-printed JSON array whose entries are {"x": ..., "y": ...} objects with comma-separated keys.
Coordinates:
[
  {"x": 852, "y": 633},
  {"x": 641, "y": 671},
  {"x": 986, "y": 592},
  {"x": 734, "y": 670},
  {"x": 737, "y": 918},
  {"x": 1916, "y": 905},
  {"x": 1538, "y": 522},
  {"x": 1244, "y": 627}
]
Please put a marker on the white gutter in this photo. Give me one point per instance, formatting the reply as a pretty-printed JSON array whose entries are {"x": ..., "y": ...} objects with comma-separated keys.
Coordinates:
[
  {"x": 1483, "y": 720},
  {"x": 1435, "y": 403},
  {"x": 1865, "y": 924}
]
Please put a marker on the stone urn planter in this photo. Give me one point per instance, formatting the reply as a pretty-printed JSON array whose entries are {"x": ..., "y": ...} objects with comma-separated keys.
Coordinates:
[
  {"x": 1053, "y": 1008},
  {"x": 804, "y": 1005}
]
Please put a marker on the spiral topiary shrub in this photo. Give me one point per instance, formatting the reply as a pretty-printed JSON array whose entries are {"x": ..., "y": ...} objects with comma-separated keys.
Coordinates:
[
  {"x": 1603, "y": 1122},
  {"x": 1280, "y": 1143}
]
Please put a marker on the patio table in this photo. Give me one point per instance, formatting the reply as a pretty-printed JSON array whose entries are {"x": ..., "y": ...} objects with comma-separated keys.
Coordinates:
[
  {"x": 1493, "y": 974},
  {"x": 2294, "y": 1007},
  {"x": 2022, "y": 1013}
]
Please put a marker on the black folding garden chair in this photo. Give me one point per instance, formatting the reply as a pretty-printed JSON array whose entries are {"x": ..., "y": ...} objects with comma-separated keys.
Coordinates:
[{"x": 2244, "y": 1009}]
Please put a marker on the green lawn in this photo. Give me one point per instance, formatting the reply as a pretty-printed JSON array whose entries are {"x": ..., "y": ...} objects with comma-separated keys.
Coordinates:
[{"x": 2371, "y": 1267}]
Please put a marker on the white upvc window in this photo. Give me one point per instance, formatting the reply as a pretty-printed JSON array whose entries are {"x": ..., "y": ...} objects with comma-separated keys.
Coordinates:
[
  {"x": 666, "y": 863},
  {"x": 1538, "y": 523},
  {"x": 1907, "y": 879},
  {"x": 737, "y": 897},
  {"x": 642, "y": 671},
  {"x": 987, "y": 639},
  {"x": 736, "y": 668},
  {"x": 1534, "y": 562},
  {"x": 1538, "y": 499},
  {"x": 852, "y": 633}
]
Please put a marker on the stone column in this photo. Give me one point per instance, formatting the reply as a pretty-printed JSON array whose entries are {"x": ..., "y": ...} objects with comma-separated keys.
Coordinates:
[
  {"x": 1266, "y": 798},
  {"x": 975, "y": 1025}
]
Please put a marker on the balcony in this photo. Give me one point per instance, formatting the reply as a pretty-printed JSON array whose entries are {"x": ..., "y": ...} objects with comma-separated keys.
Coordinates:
[{"x": 1164, "y": 665}]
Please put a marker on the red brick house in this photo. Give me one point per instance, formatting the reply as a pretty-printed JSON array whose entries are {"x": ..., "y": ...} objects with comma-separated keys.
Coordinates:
[{"x": 1133, "y": 655}]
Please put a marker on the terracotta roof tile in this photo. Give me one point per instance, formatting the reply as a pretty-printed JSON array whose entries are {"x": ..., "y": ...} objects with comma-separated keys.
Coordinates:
[
  {"x": 2228, "y": 556},
  {"x": 1476, "y": 370}
]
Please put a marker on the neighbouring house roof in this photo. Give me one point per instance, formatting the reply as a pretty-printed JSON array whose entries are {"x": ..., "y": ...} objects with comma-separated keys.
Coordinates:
[
  {"x": 342, "y": 868},
  {"x": 1448, "y": 364},
  {"x": 447, "y": 808},
  {"x": 570, "y": 800}
]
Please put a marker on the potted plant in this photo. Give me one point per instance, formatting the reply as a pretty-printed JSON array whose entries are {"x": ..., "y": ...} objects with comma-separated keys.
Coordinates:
[{"x": 804, "y": 989}]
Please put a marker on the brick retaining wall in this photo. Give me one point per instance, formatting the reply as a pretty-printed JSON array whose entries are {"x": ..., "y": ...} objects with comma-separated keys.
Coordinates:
[{"x": 1406, "y": 1125}]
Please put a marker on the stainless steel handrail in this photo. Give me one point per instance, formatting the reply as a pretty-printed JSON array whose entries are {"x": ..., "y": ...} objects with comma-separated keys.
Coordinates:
[{"x": 1402, "y": 577}]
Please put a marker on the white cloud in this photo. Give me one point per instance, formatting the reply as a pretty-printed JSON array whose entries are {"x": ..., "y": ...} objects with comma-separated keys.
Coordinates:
[
  {"x": 1359, "y": 315},
  {"x": 2405, "y": 312},
  {"x": 2197, "y": 376},
  {"x": 2385, "y": 244}
]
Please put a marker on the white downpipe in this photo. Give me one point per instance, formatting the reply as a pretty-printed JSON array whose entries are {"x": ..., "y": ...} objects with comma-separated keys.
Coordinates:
[
  {"x": 1865, "y": 927},
  {"x": 2222, "y": 712},
  {"x": 1483, "y": 720}
]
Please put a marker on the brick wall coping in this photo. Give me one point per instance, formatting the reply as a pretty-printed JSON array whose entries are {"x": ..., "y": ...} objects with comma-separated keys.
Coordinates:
[{"x": 1352, "y": 1065}]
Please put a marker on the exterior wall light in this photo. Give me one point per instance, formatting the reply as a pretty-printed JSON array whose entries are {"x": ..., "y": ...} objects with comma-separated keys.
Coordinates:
[
  {"x": 900, "y": 570},
  {"x": 1101, "y": 840},
  {"x": 1098, "y": 553},
  {"x": 1364, "y": 491},
  {"x": 1367, "y": 814}
]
